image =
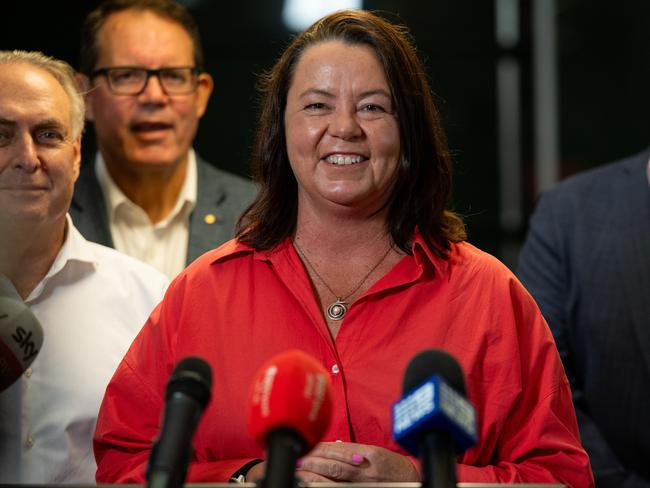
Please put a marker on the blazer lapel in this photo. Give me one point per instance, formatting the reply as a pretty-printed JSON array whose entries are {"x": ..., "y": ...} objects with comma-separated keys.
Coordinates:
[
  {"x": 88, "y": 209},
  {"x": 206, "y": 227}
]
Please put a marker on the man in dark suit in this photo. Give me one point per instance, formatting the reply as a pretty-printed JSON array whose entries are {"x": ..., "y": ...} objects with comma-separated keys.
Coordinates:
[
  {"x": 586, "y": 261},
  {"x": 147, "y": 193}
]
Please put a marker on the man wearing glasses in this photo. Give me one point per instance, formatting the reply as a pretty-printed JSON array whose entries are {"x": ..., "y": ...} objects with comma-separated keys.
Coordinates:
[{"x": 147, "y": 193}]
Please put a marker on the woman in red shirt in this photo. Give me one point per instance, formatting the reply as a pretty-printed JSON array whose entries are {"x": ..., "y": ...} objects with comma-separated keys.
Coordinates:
[{"x": 349, "y": 253}]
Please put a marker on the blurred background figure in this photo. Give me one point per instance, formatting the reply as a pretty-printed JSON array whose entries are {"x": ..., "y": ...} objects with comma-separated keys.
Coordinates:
[
  {"x": 147, "y": 193},
  {"x": 90, "y": 300},
  {"x": 586, "y": 261}
]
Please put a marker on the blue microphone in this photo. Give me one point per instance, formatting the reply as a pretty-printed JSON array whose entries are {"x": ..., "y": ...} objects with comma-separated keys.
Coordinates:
[{"x": 434, "y": 420}]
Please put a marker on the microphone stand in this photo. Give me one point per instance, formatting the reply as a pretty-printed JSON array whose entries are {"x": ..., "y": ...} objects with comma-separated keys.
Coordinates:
[
  {"x": 284, "y": 449},
  {"x": 438, "y": 461}
]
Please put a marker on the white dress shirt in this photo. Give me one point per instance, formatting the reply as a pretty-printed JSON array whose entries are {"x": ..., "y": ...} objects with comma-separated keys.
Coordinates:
[
  {"x": 162, "y": 245},
  {"x": 91, "y": 304}
]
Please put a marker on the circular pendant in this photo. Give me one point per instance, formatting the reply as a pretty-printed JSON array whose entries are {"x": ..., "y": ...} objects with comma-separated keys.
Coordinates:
[{"x": 337, "y": 310}]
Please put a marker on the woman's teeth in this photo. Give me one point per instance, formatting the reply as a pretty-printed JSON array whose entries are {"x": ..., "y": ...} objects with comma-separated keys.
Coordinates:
[{"x": 343, "y": 160}]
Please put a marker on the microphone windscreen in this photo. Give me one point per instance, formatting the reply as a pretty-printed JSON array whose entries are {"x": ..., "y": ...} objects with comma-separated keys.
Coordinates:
[
  {"x": 21, "y": 335},
  {"x": 433, "y": 402},
  {"x": 7, "y": 289},
  {"x": 192, "y": 376},
  {"x": 433, "y": 362},
  {"x": 292, "y": 391}
]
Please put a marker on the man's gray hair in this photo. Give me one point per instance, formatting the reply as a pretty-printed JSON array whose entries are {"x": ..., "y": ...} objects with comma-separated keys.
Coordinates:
[{"x": 64, "y": 74}]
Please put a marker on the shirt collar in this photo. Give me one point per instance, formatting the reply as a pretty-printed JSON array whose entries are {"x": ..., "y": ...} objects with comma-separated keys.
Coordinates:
[
  {"x": 114, "y": 197},
  {"x": 74, "y": 249},
  {"x": 421, "y": 252},
  {"x": 424, "y": 256}
]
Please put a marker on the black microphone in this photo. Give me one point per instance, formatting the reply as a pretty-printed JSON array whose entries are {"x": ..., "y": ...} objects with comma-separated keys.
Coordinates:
[
  {"x": 434, "y": 420},
  {"x": 21, "y": 334},
  {"x": 187, "y": 394}
]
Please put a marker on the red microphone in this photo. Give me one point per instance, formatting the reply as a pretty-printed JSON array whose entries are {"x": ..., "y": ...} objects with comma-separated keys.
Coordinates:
[{"x": 289, "y": 409}]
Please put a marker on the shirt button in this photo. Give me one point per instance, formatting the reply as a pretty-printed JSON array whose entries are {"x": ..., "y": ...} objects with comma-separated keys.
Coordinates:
[
  {"x": 29, "y": 442},
  {"x": 28, "y": 373},
  {"x": 335, "y": 369}
]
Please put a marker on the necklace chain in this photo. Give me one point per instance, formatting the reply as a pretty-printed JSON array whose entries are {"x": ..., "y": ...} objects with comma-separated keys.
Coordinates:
[{"x": 338, "y": 309}]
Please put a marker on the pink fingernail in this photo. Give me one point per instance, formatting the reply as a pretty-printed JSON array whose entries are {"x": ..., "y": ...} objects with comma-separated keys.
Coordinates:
[
  {"x": 357, "y": 458},
  {"x": 299, "y": 464}
]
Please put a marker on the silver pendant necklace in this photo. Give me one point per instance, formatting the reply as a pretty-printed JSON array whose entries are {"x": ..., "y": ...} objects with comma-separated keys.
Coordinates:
[{"x": 339, "y": 308}]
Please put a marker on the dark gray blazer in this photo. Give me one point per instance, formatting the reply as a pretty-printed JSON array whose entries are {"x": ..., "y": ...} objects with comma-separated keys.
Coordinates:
[
  {"x": 219, "y": 193},
  {"x": 586, "y": 260}
]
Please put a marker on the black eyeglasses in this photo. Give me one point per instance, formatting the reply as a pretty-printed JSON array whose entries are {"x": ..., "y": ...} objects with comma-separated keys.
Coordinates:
[{"x": 132, "y": 80}]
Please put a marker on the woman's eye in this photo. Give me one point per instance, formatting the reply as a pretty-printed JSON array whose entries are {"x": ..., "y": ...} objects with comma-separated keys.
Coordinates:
[
  {"x": 371, "y": 107},
  {"x": 315, "y": 106}
]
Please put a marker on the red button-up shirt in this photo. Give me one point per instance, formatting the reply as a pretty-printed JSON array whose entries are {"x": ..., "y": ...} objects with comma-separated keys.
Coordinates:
[{"x": 237, "y": 307}]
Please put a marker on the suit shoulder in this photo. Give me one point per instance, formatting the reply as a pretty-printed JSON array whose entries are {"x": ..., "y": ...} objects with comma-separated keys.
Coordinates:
[
  {"x": 210, "y": 174},
  {"x": 600, "y": 179}
]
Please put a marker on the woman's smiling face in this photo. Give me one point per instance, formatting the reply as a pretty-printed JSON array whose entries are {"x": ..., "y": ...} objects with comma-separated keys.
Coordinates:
[{"x": 342, "y": 133}]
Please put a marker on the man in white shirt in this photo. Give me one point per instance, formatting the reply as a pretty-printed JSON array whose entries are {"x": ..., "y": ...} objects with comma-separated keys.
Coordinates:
[
  {"x": 147, "y": 193},
  {"x": 90, "y": 300}
]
